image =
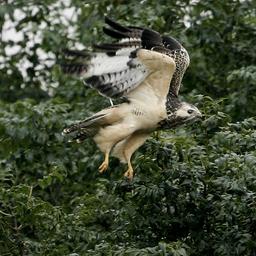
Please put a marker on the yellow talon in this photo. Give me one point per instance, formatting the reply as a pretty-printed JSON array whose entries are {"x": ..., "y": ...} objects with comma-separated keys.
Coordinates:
[
  {"x": 129, "y": 172},
  {"x": 104, "y": 166}
]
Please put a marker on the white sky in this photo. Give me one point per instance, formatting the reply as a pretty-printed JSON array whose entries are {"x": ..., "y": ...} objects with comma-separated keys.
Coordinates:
[{"x": 9, "y": 33}]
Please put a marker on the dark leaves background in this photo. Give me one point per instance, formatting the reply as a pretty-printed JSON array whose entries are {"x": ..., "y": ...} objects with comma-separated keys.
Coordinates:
[{"x": 194, "y": 189}]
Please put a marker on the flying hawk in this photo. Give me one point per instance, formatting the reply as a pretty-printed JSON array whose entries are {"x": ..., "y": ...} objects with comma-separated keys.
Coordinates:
[{"x": 142, "y": 68}]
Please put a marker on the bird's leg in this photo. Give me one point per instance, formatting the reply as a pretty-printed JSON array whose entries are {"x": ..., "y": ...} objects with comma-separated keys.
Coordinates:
[
  {"x": 104, "y": 166},
  {"x": 129, "y": 172},
  {"x": 109, "y": 136},
  {"x": 128, "y": 147}
]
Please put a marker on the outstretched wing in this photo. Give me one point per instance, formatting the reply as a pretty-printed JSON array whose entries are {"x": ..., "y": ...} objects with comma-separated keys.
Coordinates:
[
  {"x": 113, "y": 76},
  {"x": 114, "y": 70}
]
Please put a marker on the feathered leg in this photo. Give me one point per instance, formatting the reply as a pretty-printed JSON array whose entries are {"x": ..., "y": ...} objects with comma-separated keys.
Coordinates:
[
  {"x": 109, "y": 136},
  {"x": 124, "y": 150}
]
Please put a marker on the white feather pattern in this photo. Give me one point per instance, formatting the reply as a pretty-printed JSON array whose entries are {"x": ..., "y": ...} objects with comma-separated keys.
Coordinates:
[
  {"x": 125, "y": 40},
  {"x": 125, "y": 75},
  {"x": 116, "y": 75},
  {"x": 126, "y": 50},
  {"x": 101, "y": 63}
]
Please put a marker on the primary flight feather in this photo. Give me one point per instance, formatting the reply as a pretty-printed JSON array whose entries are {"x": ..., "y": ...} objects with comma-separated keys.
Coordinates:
[{"x": 143, "y": 68}]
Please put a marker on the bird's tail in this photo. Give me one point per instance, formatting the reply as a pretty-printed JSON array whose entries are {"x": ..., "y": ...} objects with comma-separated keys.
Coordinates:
[
  {"x": 89, "y": 127},
  {"x": 86, "y": 128}
]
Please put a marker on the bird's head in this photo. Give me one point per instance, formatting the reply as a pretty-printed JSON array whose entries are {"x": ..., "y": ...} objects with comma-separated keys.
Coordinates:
[
  {"x": 186, "y": 113},
  {"x": 183, "y": 114}
]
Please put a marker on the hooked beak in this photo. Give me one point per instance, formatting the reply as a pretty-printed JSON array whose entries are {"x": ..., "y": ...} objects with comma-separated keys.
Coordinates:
[{"x": 200, "y": 115}]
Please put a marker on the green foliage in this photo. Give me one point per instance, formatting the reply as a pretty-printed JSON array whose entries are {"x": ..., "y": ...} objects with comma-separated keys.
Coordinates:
[{"x": 194, "y": 191}]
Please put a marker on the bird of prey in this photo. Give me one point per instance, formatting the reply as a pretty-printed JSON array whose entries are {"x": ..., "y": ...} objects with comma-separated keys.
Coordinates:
[{"x": 142, "y": 68}]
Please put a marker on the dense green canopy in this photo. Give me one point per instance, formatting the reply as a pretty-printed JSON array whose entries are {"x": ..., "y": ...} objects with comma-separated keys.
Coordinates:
[{"x": 194, "y": 192}]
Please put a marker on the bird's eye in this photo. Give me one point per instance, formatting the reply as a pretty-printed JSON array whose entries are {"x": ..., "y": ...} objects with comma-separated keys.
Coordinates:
[{"x": 190, "y": 111}]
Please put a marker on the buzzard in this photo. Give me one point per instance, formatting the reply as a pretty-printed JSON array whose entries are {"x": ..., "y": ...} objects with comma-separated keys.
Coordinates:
[{"x": 144, "y": 70}]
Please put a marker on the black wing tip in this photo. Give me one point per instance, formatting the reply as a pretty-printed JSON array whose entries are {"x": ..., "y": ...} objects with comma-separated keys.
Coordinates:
[
  {"x": 116, "y": 26},
  {"x": 76, "y": 53},
  {"x": 114, "y": 33},
  {"x": 150, "y": 38},
  {"x": 73, "y": 68},
  {"x": 171, "y": 43},
  {"x": 149, "y": 33},
  {"x": 109, "y": 21},
  {"x": 109, "y": 48}
]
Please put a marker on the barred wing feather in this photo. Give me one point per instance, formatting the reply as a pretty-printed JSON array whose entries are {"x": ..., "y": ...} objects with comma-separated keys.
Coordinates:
[
  {"x": 112, "y": 75},
  {"x": 113, "y": 68}
]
